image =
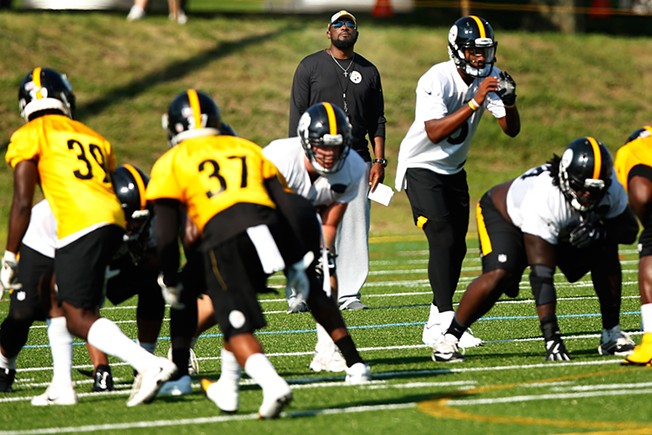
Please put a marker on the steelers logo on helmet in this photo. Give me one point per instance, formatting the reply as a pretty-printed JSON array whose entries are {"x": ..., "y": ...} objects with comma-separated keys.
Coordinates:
[
  {"x": 585, "y": 170},
  {"x": 325, "y": 134},
  {"x": 471, "y": 45},
  {"x": 191, "y": 114},
  {"x": 45, "y": 91}
]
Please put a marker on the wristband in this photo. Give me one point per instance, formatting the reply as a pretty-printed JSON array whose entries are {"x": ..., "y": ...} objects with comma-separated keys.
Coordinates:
[
  {"x": 381, "y": 161},
  {"x": 473, "y": 104}
]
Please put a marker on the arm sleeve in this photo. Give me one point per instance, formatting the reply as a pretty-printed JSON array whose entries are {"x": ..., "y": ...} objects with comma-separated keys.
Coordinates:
[
  {"x": 168, "y": 222},
  {"x": 299, "y": 97},
  {"x": 376, "y": 120}
]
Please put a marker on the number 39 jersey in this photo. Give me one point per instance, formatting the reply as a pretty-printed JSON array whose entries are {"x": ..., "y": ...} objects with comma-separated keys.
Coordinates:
[
  {"x": 210, "y": 174},
  {"x": 74, "y": 165}
]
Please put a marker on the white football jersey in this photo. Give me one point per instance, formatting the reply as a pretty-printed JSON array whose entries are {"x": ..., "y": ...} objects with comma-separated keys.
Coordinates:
[
  {"x": 41, "y": 233},
  {"x": 538, "y": 207},
  {"x": 441, "y": 92},
  {"x": 342, "y": 186}
]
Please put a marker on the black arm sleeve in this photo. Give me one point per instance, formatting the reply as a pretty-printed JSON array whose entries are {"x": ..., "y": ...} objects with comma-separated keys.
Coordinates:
[{"x": 168, "y": 222}]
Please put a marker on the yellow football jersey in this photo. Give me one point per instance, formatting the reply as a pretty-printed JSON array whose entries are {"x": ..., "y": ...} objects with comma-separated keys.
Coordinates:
[
  {"x": 74, "y": 165},
  {"x": 636, "y": 152},
  {"x": 210, "y": 174}
]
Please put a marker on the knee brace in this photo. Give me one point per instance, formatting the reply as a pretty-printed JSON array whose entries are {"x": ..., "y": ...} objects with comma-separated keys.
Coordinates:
[{"x": 541, "y": 281}]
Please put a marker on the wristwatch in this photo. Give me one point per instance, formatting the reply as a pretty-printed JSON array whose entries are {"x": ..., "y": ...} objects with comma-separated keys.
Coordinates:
[{"x": 381, "y": 161}]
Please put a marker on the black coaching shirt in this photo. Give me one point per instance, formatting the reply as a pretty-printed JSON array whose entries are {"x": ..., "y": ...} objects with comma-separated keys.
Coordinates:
[{"x": 318, "y": 78}]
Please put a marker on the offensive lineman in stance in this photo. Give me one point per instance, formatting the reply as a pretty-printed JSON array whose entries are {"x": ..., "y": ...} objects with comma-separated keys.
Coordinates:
[
  {"x": 571, "y": 213},
  {"x": 236, "y": 200}
]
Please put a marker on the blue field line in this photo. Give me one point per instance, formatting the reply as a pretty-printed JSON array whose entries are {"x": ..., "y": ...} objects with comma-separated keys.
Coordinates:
[{"x": 361, "y": 327}]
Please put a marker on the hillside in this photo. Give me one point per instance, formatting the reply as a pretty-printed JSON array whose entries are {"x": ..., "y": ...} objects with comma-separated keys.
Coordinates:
[{"x": 125, "y": 74}]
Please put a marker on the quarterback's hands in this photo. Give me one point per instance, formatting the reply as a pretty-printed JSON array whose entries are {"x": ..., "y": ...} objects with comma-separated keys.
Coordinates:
[
  {"x": 555, "y": 349},
  {"x": 298, "y": 284},
  {"x": 507, "y": 89},
  {"x": 8, "y": 273},
  {"x": 171, "y": 293},
  {"x": 589, "y": 231}
]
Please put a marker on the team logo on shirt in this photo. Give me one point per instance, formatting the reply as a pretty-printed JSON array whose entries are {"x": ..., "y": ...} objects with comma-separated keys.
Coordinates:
[{"x": 356, "y": 77}]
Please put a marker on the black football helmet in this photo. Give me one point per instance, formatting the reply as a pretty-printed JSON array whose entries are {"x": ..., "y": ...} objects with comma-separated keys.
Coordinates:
[
  {"x": 476, "y": 35},
  {"x": 641, "y": 132},
  {"x": 585, "y": 172},
  {"x": 45, "y": 89},
  {"x": 129, "y": 184},
  {"x": 191, "y": 114},
  {"x": 325, "y": 124}
]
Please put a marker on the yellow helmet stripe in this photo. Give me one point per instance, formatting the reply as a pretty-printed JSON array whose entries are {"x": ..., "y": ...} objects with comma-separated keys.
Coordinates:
[
  {"x": 597, "y": 157},
  {"x": 140, "y": 183},
  {"x": 36, "y": 78},
  {"x": 193, "y": 98},
  {"x": 478, "y": 21},
  {"x": 332, "y": 121}
]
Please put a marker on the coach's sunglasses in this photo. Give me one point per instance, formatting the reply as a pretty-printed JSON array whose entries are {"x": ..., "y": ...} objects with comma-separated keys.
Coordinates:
[{"x": 349, "y": 24}]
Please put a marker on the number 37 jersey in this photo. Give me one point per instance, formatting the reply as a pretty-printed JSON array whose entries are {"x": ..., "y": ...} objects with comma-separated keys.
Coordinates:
[
  {"x": 74, "y": 165},
  {"x": 210, "y": 174}
]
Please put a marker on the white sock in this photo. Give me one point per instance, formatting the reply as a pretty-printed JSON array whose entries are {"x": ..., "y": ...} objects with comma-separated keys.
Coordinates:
[
  {"x": 7, "y": 363},
  {"x": 107, "y": 337},
  {"x": 646, "y": 317},
  {"x": 61, "y": 348},
  {"x": 231, "y": 371},
  {"x": 446, "y": 318},
  {"x": 149, "y": 347},
  {"x": 433, "y": 317},
  {"x": 261, "y": 370},
  {"x": 324, "y": 341}
]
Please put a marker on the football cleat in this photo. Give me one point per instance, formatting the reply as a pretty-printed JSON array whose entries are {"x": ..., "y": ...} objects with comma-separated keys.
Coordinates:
[
  {"x": 148, "y": 382},
  {"x": 328, "y": 359},
  {"x": 225, "y": 395},
  {"x": 178, "y": 387},
  {"x": 447, "y": 350},
  {"x": 58, "y": 395},
  {"x": 642, "y": 354},
  {"x": 193, "y": 362},
  {"x": 469, "y": 340},
  {"x": 358, "y": 373},
  {"x": 7, "y": 378},
  {"x": 615, "y": 342},
  {"x": 275, "y": 401},
  {"x": 556, "y": 350},
  {"x": 102, "y": 379}
]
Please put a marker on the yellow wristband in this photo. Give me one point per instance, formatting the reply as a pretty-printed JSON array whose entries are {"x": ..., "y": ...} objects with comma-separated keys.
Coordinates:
[{"x": 473, "y": 104}]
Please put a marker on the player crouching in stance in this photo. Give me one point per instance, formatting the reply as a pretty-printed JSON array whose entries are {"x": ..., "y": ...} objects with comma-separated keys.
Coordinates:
[
  {"x": 570, "y": 213},
  {"x": 634, "y": 170},
  {"x": 235, "y": 198}
]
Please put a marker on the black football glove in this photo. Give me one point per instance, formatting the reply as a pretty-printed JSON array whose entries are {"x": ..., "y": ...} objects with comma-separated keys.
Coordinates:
[
  {"x": 588, "y": 232},
  {"x": 507, "y": 89},
  {"x": 555, "y": 349}
]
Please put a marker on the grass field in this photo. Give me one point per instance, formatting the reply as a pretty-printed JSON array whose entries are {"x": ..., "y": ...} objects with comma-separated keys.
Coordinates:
[{"x": 504, "y": 387}]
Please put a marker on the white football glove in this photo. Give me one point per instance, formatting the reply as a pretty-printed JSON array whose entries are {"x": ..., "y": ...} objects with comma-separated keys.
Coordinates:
[
  {"x": 8, "y": 273},
  {"x": 298, "y": 284},
  {"x": 556, "y": 350},
  {"x": 171, "y": 294}
]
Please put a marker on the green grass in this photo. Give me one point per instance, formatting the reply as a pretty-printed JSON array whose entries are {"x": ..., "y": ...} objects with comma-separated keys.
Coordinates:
[{"x": 503, "y": 387}]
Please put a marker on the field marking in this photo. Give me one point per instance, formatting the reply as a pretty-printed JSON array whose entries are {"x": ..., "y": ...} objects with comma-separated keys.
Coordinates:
[{"x": 444, "y": 407}]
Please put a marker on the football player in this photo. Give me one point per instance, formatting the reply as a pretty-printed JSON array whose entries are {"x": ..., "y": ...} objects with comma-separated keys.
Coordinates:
[
  {"x": 73, "y": 164},
  {"x": 234, "y": 197},
  {"x": 318, "y": 166},
  {"x": 451, "y": 98},
  {"x": 634, "y": 170},
  {"x": 570, "y": 213}
]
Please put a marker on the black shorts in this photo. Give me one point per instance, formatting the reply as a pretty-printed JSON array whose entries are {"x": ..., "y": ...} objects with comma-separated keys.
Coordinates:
[
  {"x": 438, "y": 197},
  {"x": 501, "y": 244},
  {"x": 32, "y": 300},
  {"x": 234, "y": 277},
  {"x": 80, "y": 267}
]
